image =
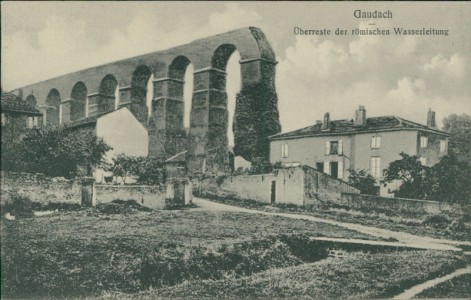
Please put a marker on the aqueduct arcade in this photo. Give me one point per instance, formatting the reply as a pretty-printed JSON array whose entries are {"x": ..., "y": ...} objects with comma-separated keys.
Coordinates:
[{"x": 159, "y": 76}]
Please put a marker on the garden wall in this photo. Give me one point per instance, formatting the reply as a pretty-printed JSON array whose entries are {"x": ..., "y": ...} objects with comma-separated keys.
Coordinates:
[
  {"x": 42, "y": 189},
  {"x": 147, "y": 195},
  {"x": 294, "y": 185},
  {"x": 400, "y": 205},
  {"x": 320, "y": 187},
  {"x": 288, "y": 187}
]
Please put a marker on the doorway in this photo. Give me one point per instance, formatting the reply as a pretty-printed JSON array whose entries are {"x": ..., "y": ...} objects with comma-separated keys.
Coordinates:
[
  {"x": 273, "y": 192},
  {"x": 334, "y": 169}
]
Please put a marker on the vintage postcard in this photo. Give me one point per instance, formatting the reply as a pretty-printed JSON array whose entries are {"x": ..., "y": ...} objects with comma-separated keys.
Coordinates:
[{"x": 235, "y": 150}]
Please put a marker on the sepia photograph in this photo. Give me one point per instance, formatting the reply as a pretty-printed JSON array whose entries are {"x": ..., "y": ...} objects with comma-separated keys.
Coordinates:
[{"x": 235, "y": 149}]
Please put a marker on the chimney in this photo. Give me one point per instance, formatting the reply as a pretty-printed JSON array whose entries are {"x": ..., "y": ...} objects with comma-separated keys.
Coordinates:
[
  {"x": 326, "y": 124},
  {"x": 431, "y": 118},
  {"x": 360, "y": 116}
]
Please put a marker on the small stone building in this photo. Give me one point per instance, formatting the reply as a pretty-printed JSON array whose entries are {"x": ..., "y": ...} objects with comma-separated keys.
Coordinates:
[
  {"x": 120, "y": 130},
  {"x": 17, "y": 117}
]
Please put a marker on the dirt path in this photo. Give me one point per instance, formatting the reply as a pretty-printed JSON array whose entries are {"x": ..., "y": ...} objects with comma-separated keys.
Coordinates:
[
  {"x": 404, "y": 238},
  {"x": 412, "y": 292}
]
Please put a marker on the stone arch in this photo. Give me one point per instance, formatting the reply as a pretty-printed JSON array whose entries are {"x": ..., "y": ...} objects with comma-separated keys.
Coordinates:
[
  {"x": 78, "y": 101},
  {"x": 107, "y": 94},
  {"x": 52, "y": 112},
  {"x": 166, "y": 133},
  {"x": 257, "y": 116},
  {"x": 221, "y": 56},
  {"x": 31, "y": 100},
  {"x": 139, "y": 81}
]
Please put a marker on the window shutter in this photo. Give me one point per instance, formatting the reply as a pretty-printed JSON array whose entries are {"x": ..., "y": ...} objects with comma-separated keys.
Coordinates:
[
  {"x": 378, "y": 142},
  {"x": 327, "y": 147},
  {"x": 282, "y": 150},
  {"x": 340, "y": 147},
  {"x": 286, "y": 150},
  {"x": 373, "y": 166},
  {"x": 372, "y": 142},
  {"x": 327, "y": 168},
  {"x": 340, "y": 170}
]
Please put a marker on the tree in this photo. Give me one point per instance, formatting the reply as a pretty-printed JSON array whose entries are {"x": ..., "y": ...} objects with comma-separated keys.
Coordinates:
[
  {"x": 451, "y": 181},
  {"x": 59, "y": 151},
  {"x": 147, "y": 170},
  {"x": 460, "y": 129},
  {"x": 363, "y": 181},
  {"x": 124, "y": 165},
  {"x": 414, "y": 176}
]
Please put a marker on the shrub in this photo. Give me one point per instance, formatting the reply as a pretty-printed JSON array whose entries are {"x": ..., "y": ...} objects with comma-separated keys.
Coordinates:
[
  {"x": 363, "y": 181},
  {"x": 19, "y": 206},
  {"x": 437, "y": 221}
]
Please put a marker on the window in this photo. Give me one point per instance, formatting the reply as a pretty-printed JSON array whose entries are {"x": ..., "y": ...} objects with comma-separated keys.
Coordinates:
[
  {"x": 423, "y": 161},
  {"x": 320, "y": 166},
  {"x": 375, "y": 166},
  {"x": 29, "y": 122},
  {"x": 333, "y": 147},
  {"x": 423, "y": 142},
  {"x": 4, "y": 119},
  {"x": 443, "y": 147},
  {"x": 376, "y": 142},
  {"x": 284, "y": 150},
  {"x": 327, "y": 168}
]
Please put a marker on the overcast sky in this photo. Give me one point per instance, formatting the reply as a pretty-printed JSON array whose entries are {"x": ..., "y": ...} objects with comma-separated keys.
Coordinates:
[{"x": 389, "y": 75}]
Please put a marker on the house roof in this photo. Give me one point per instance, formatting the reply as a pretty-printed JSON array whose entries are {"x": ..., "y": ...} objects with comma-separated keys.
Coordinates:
[
  {"x": 180, "y": 157},
  {"x": 89, "y": 120},
  {"x": 347, "y": 127},
  {"x": 13, "y": 103}
]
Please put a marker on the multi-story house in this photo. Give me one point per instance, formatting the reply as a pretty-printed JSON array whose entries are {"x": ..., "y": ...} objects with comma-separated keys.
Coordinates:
[
  {"x": 334, "y": 147},
  {"x": 17, "y": 117}
]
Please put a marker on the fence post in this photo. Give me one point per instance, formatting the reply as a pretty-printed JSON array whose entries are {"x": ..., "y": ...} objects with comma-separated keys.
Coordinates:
[{"x": 87, "y": 191}]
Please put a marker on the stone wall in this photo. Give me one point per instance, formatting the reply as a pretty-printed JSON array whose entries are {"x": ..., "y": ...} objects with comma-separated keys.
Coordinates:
[
  {"x": 400, "y": 205},
  {"x": 295, "y": 185},
  {"x": 320, "y": 187},
  {"x": 287, "y": 185},
  {"x": 146, "y": 195},
  {"x": 40, "y": 188}
]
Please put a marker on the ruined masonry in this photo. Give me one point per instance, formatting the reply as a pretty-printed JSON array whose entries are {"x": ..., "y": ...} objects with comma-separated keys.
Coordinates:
[{"x": 91, "y": 92}]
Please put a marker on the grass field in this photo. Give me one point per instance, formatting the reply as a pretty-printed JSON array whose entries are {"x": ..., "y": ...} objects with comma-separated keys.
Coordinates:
[
  {"x": 98, "y": 252},
  {"x": 357, "y": 275},
  {"x": 412, "y": 223},
  {"x": 458, "y": 287}
]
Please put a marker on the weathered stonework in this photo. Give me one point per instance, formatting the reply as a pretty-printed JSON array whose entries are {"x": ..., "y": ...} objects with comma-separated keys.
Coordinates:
[{"x": 206, "y": 142}]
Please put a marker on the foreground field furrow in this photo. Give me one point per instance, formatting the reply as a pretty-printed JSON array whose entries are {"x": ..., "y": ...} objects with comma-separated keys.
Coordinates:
[
  {"x": 357, "y": 275},
  {"x": 84, "y": 253}
]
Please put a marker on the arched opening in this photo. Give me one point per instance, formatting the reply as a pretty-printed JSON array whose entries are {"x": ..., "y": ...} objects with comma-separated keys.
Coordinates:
[
  {"x": 78, "y": 101},
  {"x": 150, "y": 95},
  {"x": 182, "y": 69},
  {"x": 31, "y": 100},
  {"x": 53, "y": 102},
  {"x": 226, "y": 58},
  {"x": 233, "y": 86},
  {"x": 109, "y": 94},
  {"x": 139, "y": 84}
]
